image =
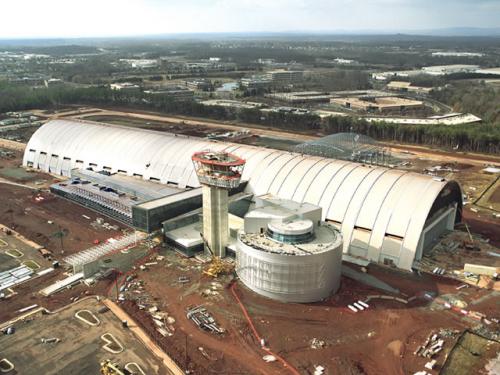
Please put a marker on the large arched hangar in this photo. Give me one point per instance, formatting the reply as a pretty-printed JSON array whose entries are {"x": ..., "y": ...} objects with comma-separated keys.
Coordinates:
[{"x": 385, "y": 215}]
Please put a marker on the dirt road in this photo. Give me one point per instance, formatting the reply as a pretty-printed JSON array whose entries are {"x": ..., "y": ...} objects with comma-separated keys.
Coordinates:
[
  {"x": 12, "y": 145},
  {"x": 144, "y": 338},
  {"x": 208, "y": 123},
  {"x": 420, "y": 151}
]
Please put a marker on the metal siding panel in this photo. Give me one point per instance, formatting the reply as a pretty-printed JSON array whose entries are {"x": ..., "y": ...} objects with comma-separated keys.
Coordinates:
[
  {"x": 295, "y": 176},
  {"x": 42, "y": 162},
  {"x": 255, "y": 179},
  {"x": 345, "y": 189},
  {"x": 254, "y": 162},
  {"x": 273, "y": 169},
  {"x": 308, "y": 177},
  {"x": 375, "y": 198},
  {"x": 331, "y": 190},
  {"x": 319, "y": 184},
  {"x": 350, "y": 215},
  {"x": 283, "y": 174},
  {"x": 384, "y": 214},
  {"x": 416, "y": 223},
  {"x": 401, "y": 215}
]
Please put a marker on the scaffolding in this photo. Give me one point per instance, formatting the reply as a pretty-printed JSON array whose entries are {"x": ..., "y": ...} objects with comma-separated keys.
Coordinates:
[
  {"x": 78, "y": 260},
  {"x": 218, "y": 169},
  {"x": 117, "y": 207},
  {"x": 349, "y": 146}
]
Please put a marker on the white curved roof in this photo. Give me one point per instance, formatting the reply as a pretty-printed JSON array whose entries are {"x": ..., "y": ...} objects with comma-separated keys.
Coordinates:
[{"x": 369, "y": 203}]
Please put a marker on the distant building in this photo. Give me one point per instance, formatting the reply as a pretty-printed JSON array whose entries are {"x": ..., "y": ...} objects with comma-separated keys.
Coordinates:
[
  {"x": 382, "y": 105},
  {"x": 32, "y": 81},
  {"x": 343, "y": 61},
  {"x": 199, "y": 84},
  {"x": 141, "y": 63},
  {"x": 383, "y": 76},
  {"x": 256, "y": 83},
  {"x": 175, "y": 93},
  {"x": 491, "y": 71},
  {"x": 441, "y": 70},
  {"x": 232, "y": 104},
  {"x": 457, "y": 54},
  {"x": 266, "y": 61},
  {"x": 402, "y": 86},
  {"x": 285, "y": 77},
  {"x": 125, "y": 86},
  {"x": 301, "y": 97},
  {"x": 53, "y": 82},
  {"x": 438, "y": 70},
  {"x": 449, "y": 119}
]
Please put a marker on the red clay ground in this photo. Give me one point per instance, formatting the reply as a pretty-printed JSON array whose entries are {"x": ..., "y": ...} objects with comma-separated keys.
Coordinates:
[
  {"x": 484, "y": 225},
  {"x": 20, "y": 211},
  {"x": 378, "y": 341},
  {"x": 495, "y": 197}
]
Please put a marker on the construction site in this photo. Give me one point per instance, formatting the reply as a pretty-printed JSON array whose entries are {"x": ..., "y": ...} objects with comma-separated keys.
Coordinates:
[{"x": 168, "y": 252}]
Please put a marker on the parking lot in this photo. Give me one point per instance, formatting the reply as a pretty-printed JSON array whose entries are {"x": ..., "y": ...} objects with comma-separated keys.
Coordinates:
[{"x": 64, "y": 343}]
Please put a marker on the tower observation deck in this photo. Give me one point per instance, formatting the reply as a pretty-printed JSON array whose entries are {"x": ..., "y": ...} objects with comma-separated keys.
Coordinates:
[{"x": 217, "y": 172}]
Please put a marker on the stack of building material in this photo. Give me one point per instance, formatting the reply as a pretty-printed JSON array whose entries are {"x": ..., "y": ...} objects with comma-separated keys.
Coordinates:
[
  {"x": 62, "y": 284},
  {"x": 14, "y": 276},
  {"x": 432, "y": 346},
  {"x": 78, "y": 260},
  {"x": 202, "y": 318}
]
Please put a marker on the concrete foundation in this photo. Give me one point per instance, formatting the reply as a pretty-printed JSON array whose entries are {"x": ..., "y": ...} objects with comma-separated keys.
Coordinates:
[{"x": 215, "y": 219}]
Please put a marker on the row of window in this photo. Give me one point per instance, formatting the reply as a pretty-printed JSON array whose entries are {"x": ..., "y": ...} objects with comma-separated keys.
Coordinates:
[
  {"x": 367, "y": 230},
  {"x": 106, "y": 168}
]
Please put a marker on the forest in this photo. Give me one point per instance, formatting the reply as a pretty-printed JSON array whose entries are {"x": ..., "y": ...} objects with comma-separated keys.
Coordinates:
[{"x": 484, "y": 137}]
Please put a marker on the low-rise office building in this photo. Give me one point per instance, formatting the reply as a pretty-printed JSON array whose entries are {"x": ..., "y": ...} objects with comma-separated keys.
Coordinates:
[{"x": 383, "y": 105}]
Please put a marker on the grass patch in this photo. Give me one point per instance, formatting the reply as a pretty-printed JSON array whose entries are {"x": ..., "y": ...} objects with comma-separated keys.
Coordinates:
[
  {"x": 14, "y": 253},
  {"x": 16, "y": 173},
  {"x": 31, "y": 264},
  {"x": 3, "y": 243},
  {"x": 467, "y": 354}
]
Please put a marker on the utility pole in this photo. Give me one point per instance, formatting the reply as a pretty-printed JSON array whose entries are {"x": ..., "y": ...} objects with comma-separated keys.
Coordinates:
[
  {"x": 186, "y": 354},
  {"x": 60, "y": 234}
]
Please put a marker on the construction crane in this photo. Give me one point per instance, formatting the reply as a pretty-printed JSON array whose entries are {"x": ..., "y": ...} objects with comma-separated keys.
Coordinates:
[
  {"x": 217, "y": 266},
  {"x": 469, "y": 244},
  {"x": 110, "y": 368}
]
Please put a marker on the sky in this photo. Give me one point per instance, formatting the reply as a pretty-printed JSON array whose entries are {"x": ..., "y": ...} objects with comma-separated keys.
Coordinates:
[{"x": 102, "y": 18}]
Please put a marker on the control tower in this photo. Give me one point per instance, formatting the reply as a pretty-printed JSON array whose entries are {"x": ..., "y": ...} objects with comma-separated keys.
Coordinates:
[{"x": 218, "y": 172}]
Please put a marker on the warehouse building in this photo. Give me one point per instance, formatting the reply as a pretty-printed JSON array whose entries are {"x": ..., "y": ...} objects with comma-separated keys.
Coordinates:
[
  {"x": 256, "y": 83},
  {"x": 441, "y": 70},
  {"x": 383, "y": 105},
  {"x": 301, "y": 97},
  {"x": 403, "y": 86},
  {"x": 281, "y": 78},
  {"x": 174, "y": 93},
  {"x": 125, "y": 87},
  {"x": 384, "y": 215}
]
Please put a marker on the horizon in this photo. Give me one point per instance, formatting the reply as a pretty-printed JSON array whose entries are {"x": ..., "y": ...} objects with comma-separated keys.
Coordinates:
[
  {"x": 53, "y": 19},
  {"x": 455, "y": 32}
]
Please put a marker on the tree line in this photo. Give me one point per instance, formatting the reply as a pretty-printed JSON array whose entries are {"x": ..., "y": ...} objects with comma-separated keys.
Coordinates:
[{"x": 469, "y": 137}]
